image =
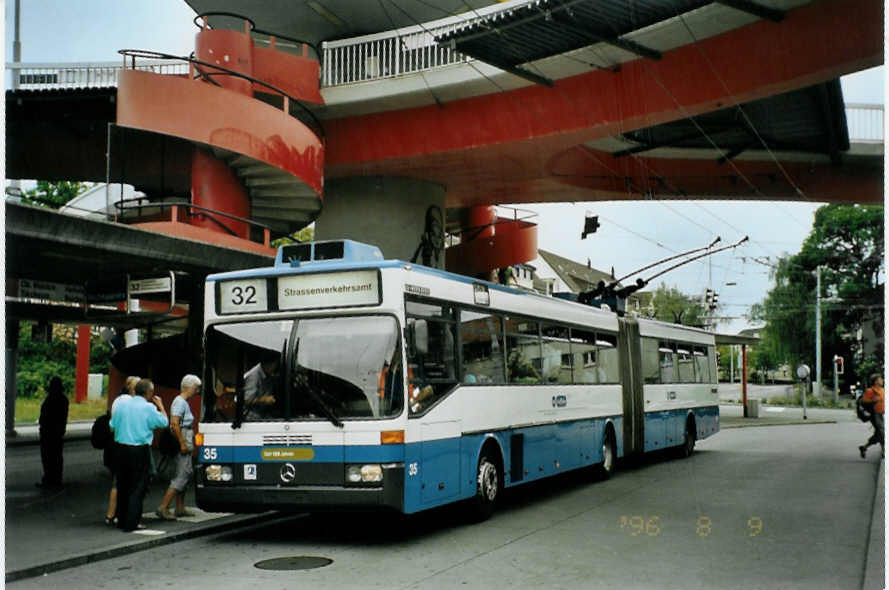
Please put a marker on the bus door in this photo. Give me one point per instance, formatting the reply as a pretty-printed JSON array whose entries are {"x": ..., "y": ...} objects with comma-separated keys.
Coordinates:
[
  {"x": 439, "y": 461},
  {"x": 631, "y": 381}
]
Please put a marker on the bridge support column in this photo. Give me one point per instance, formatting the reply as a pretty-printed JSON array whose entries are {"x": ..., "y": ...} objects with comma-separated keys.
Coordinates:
[
  {"x": 402, "y": 216},
  {"x": 12, "y": 350}
]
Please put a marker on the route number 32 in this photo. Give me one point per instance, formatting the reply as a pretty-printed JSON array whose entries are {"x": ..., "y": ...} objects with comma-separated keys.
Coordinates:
[{"x": 243, "y": 295}]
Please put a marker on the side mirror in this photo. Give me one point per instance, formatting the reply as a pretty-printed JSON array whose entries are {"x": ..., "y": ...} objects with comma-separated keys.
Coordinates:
[{"x": 419, "y": 333}]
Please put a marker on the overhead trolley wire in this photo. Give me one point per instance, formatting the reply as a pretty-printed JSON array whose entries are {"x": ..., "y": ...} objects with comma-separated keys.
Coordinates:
[{"x": 737, "y": 105}]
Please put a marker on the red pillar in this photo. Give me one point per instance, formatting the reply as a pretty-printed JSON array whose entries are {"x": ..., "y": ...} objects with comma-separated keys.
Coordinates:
[
  {"x": 82, "y": 371},
  {"x": 744, "y": 376}
]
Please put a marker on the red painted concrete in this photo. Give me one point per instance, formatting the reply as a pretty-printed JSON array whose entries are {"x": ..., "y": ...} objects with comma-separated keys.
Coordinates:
[
  {"x": 222, "y": 118},
  {"x": 514, "y": 242},
  {"x": 82, "y": 367},
  {"x": 232, "y": 50},
  {"x": 296, "y": 75},
  {"x": 478, "y": 217},
  {"x": 627, "y": 177},
  {"x": 184, "y": 230},
  {"x": 214, "y": 185},
  {"x": 500, "y": 147}
]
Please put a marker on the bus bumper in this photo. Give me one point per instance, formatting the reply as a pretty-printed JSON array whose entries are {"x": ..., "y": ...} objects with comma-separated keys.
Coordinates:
[{"x": 243, "y": 498}]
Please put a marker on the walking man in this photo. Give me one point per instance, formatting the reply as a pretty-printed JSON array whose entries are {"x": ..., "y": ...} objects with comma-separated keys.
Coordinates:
[
  {"x": 181, "y": 424},
  {"x": 133, "y": 423},
  {"x": 874, "y": 397}
]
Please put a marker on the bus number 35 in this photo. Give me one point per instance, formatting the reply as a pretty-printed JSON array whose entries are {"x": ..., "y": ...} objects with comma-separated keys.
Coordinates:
[
  {"x": 210, "y": 453},
  {"x": 412, "y": 469}
]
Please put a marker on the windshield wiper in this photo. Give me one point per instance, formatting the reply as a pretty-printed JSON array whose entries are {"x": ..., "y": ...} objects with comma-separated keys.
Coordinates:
[{"x": 300, "y": 382}]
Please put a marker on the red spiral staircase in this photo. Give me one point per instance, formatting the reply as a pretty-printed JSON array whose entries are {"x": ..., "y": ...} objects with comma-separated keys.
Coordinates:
[{"x": 252, "y": 161}]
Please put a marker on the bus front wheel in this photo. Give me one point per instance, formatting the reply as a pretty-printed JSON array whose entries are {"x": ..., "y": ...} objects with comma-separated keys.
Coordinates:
[{"x": 487, "y": 488}]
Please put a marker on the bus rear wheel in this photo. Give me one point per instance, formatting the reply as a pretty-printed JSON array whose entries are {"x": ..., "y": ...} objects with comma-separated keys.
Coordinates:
[
  {"x": 487, "y": 490},
  {"x": 605, "y": 469}
]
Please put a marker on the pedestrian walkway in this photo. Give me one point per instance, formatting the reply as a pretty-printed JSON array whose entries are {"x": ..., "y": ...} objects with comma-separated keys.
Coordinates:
[
  {"x": 29, "y": 434},
  {"x": 732, "y": 416},
  {"x": 50, "y": 530}
]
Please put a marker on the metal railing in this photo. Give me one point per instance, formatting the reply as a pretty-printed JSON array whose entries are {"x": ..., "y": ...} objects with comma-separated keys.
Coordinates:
[
  {"x": 408, "y": 50},
  {"x": 139, "y": 204},
  {"x": 865, "y": 123},
  {"x": 51, "y": 76}
]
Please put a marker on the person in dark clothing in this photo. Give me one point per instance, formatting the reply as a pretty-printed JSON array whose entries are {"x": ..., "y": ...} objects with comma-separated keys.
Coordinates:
[
  {"x": 133, "y": 423},
  {"x": 53, "y": 422}
]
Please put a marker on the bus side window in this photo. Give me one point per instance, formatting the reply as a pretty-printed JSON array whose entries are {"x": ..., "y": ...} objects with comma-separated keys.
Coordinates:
[
  {"x": 609, "y": 359},
  {"x": 481, "y": 336},
  {"x": 651, "y": 370},
  {"x": 583, "y": 349},
  {"x": 686, "y": 363},
  {"x": 702, "y": 365},
  {"x": 556, "y": 354},
  {"x": 524, "y": 362},
  {"x": 433, "y": 373},
  {"x": 667, "y": 364}
]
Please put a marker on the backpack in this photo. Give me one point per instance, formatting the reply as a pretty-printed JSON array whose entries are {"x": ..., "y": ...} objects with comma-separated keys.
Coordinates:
[
  {"x": 864, "y": 410},
  {"x": 168, "y": 444},
  {"x": 100, "y": 433}
]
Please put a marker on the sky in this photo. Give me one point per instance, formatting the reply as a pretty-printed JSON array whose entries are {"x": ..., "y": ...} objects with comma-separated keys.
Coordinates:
[{"x": 632, "y": 234}]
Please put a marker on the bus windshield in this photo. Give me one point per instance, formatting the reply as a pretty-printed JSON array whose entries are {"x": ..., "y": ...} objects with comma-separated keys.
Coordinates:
[{"x": 309, "y": 369}]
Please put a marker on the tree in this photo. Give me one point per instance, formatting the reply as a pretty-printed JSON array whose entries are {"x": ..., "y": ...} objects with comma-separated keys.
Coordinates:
[
  {"x": 671, "y": 305},
  {"x": 306, "y": 234},
  {"x": 846, "y": 241},
  {"x": 53, "y": 194}
]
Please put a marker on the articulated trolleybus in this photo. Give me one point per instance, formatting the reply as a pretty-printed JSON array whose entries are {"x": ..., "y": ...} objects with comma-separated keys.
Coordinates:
[{"x": 338, "y": 379}]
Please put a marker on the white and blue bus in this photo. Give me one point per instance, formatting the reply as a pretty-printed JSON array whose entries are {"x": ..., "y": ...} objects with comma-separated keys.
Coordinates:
[{"x": 338, "y": 379}]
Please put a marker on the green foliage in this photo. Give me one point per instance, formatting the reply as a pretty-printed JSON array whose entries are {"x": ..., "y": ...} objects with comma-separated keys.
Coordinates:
[
  {"x": 846, "y": 241},
  {"x": 306, "y": 234},
  {"x": 671, "y": 305},
  {"x": 520, "y": 369},
  {"x": 38, "y": 361},
  {"x": 53, "y": 194}
]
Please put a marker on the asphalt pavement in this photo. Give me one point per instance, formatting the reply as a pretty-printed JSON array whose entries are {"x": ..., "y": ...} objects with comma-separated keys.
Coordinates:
[{"x": 51, "y": 530}]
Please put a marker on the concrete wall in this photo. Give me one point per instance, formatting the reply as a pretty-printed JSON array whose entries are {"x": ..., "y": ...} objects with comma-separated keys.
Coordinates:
[{"x": 384, "y": 211}]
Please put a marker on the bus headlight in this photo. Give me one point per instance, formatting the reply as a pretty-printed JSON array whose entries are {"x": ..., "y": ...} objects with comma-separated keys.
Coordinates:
[
  {"x": 218, "y": 473},
  {"x": 364, "y": 473}
]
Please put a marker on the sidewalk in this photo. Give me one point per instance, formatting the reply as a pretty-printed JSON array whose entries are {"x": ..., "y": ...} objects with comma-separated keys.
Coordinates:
[
  {"x": 29, "y": 434},
  {"x": 51, "y": 530}
]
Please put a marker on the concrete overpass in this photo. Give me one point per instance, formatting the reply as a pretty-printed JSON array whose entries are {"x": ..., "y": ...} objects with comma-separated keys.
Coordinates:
[{"x": 370, "y": 136}]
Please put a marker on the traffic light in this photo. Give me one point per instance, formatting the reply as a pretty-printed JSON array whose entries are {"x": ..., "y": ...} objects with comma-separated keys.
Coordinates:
[
  {"x": 711, "y": 298},
  {"x": 838, "y": 362}
]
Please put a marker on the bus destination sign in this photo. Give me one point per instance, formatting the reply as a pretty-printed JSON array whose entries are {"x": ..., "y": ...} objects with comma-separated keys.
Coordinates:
[{"x": 332, "y": 289}]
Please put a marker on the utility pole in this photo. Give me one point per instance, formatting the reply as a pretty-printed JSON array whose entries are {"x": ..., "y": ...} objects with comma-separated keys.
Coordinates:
[
  {"x": 17, "y": 44},
  {"x": 817, "y": 388}
]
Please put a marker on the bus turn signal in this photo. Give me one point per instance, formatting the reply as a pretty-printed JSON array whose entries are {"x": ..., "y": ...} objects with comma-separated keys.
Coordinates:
[{"x": 391, "y": 437}]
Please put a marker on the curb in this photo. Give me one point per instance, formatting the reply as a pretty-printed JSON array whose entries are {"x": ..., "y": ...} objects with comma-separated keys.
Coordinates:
[
  {"x": 133, "y": 547},
  {"x": 26, "y": 440},
  {"x": 745, "y": 424},
  {"x": 875, "y": 557}
]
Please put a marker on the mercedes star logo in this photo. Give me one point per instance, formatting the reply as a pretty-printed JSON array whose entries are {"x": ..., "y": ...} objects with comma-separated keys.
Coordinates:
[{"x": 288, "y": 472}]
